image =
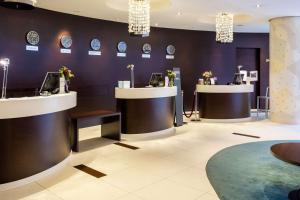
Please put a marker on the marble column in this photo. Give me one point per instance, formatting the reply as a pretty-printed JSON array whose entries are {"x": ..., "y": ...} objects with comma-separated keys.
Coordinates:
[{"x": 285, "y": 70}]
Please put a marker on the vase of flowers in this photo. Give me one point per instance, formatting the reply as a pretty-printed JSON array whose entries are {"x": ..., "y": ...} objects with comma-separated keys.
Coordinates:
[
  {"x": 206, "y": 77},
  {"x": 65, "y": 78},
  {"x": 171, "y": 75}
]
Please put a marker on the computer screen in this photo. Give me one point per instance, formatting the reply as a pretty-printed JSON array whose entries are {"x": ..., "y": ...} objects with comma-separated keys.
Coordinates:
[
  {"x": 51, "y": 83},
  {"x": 156, "y": 79}
]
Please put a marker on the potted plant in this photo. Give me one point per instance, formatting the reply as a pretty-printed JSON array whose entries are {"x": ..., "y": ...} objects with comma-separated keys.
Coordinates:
[
  {"x": 171, "y": 75},
  {"x": 207, "y": 76},
  {"x": 66, "y": 75}
]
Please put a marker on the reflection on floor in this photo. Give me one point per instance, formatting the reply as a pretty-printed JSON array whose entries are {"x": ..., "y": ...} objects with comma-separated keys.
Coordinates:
[
  {"x": 166, "y": 168},
  {"x": 90, "y": 171}
]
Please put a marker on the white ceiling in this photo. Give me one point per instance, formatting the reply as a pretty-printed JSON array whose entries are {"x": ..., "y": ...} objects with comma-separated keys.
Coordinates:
[{"x": 194, "y": 14}]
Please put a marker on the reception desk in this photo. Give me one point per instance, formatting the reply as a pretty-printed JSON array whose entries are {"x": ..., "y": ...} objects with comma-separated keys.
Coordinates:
[
  {"x": 224, "y": 103},
  {"x": 34, "y": 134},
  {"x": 146, "y": 110}
]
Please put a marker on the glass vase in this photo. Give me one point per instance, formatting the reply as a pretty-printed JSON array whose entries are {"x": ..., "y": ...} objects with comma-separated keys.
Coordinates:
[{"x": 62, "y": 85}]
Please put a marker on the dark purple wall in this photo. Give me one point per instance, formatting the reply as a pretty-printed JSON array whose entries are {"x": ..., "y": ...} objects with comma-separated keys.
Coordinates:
[{"x": 96, "y": 76}]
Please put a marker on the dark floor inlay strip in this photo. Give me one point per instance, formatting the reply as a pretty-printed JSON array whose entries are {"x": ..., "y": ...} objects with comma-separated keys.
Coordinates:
[
  {"x": 240, "y": 134},
  {"x": 90, "y": 171},
  {"x": 126, "y": 146}
]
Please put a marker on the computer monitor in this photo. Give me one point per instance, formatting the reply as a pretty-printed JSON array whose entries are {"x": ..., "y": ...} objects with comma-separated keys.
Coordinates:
[
  {"x": 156, "y": 80},
  {"x": 51, "y": 83},
  {"x": 253, "y": 75}
]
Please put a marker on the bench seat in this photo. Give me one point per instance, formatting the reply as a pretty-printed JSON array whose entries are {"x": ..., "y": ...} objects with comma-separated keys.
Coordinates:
[{"x": 110, "y": 122}]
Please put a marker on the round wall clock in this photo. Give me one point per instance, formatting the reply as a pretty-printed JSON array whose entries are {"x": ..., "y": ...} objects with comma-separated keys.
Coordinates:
[
  {"x": 147, "y": 48},
  {"x": 33, "y": 37},
  {"x": 171, "y": 50},
  {"x": 122, "y": 47},
  {"x": 95, "y": 44},
  {"x": 66, "y": 41}
]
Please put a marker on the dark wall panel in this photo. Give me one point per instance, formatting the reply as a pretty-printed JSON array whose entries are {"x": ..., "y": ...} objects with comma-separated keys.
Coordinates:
[{"x": 96, "y": 76}]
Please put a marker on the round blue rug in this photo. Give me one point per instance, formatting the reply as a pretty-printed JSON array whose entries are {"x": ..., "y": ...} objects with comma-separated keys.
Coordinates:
[{"x": 250, "y": 171}]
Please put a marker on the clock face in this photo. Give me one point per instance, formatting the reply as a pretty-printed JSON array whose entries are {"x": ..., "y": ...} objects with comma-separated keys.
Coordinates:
[
  {"x": 66, "y": 41},
  {"x": 147, "y": 48},
  {"x": 33, "y": 37},
  {"x": 95, "y": 44},
  {"x": 171, "y": 50},
  {"x": 122, "y": 47}
]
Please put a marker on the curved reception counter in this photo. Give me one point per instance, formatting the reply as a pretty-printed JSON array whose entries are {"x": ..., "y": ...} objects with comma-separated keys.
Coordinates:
[
  {"x": 146, "y": 110},
  {"x": 34, "y": 134},
  {"x": 224, "y": 103}
]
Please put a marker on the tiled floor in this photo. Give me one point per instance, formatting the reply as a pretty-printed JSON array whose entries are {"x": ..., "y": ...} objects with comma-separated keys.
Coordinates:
[{"x": 162, "y": 169}]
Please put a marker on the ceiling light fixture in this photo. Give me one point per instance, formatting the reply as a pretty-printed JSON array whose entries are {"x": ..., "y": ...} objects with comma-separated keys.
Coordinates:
[
  {"x": 139, "y": 17},
  {"x": 19, "y": 4},
  {"x": 258, "y": 5},
  {"x": 224, "y": 27}
]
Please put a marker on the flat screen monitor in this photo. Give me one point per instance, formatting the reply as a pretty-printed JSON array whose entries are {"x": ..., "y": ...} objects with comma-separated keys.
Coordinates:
[
  {"x": 51, "y": 83},
  {"x": 253, "y": 76},
  {"x": 156, "y": 80}
]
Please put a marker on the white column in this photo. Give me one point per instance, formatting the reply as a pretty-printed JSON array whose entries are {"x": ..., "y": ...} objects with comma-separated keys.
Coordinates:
[{"x": 285, "y": 70}]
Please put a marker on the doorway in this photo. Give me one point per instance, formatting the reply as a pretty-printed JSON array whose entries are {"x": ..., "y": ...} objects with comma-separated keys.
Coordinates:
[{"x": 249, "y": 58}]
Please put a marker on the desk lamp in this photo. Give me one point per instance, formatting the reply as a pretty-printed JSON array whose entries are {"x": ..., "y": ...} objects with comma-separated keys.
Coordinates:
[
  {"x": 131, "y": 67},
  {"x": 4, "y": 63}
]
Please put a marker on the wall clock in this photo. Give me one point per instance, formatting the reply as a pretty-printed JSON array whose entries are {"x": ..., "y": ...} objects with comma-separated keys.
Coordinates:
[
  {"x": 147, "y": 48},
  {"x": 66, "y": 41},
  {"x": 95, "y": 44},
  {"x": 33, "y": 37},
  {"x": 171, "y": 50},
  {"x": 122, "y": 47}
]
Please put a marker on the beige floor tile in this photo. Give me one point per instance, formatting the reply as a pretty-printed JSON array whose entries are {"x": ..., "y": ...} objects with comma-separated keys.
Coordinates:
[
  {"x": 135, "y": 158},
  {"x": 107, "y": 165},
  {"x": 31, "y": 191},
  {"x": 167, "y": 189},
  {"x": 66, "y": 178},
  {"x": 129, "y": 197},
  {"x": 93, "y": 190},
  {"x": 163, "y": 168},
  {"x": 208, "y": 196},
  {"x": 131, "y": 179},
  {"x": 194, "y": 178}
]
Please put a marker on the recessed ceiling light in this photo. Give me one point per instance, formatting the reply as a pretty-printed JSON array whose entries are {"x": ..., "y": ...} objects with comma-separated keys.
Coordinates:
[
  {"x": 178, "y": 13},
  {"x": 258, "y": 5}
]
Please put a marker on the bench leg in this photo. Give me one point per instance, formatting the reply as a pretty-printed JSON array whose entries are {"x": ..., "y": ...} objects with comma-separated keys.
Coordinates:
[
  {"x": 111, "y": 130},
  {"x": 75, "y": 145}
]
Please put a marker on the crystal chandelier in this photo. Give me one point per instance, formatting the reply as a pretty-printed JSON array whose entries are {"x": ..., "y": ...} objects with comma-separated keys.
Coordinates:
[
  {"x": 224, "y": 27},
  {"x": 139, "y": 17}
]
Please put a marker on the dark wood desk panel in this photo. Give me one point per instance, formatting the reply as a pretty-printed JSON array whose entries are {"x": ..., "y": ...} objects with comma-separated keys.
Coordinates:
[
  {"x": 146, "y": 115},
  {"x": 31, "y": 145},
  {"x": 224, "y": 105}
]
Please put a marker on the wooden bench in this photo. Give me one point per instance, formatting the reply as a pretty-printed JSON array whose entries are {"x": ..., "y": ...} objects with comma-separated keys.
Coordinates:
[{"x": 110, "y": 124}]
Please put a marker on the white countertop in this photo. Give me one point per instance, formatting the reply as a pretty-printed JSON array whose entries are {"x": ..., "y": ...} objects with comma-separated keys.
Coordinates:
[
  {"x": 225, "y": 88},
  {"x": 145, "y": 93},
  {"x": 39, "y": 105}
]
